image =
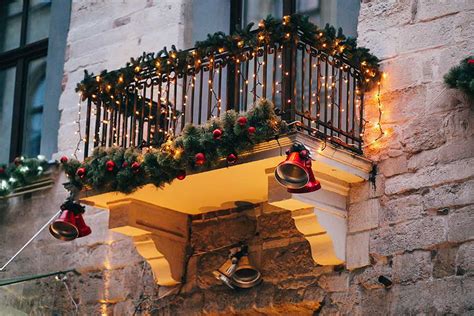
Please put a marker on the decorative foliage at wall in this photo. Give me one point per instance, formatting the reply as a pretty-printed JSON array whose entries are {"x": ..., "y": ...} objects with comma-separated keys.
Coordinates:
[
  {"x": 107, "y": 86},
  {"x": 22, "y": 172},
  {"x": 197, "y": 148},
  {"x": 462, "y": 76}
]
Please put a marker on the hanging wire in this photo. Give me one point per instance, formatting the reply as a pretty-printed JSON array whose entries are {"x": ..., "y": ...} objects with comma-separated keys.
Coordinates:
[{"x": 64, "y": 281}]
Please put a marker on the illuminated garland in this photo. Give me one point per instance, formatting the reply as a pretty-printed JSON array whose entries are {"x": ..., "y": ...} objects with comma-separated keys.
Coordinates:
[
  {"x": 197, "y": 148},
  {"x": 20, "y": 173},
  {"x": 108, "y": 86}
]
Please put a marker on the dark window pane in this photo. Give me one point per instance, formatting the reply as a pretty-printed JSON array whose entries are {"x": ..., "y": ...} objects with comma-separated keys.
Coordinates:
[
  {"x": 255, "y": 10},
  {"x": 339, "y": 13},
  {"x": 7, "y": 88},
  {"x": 38, "y": 20},
  {"x": 10, "y": 24},
  {"x": 35, "y": 91}
]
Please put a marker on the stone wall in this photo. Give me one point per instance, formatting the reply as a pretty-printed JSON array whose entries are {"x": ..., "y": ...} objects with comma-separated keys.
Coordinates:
[{"x": 414, "y": 225}]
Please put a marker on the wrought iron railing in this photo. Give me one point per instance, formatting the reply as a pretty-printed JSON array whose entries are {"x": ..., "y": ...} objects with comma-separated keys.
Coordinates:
[{"x": 322, "y": 91}]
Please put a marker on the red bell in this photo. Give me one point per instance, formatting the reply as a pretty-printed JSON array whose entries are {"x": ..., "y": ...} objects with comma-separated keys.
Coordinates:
[
  {"x": 312, "y": 185},
  {"x": 65, "y": 226},
  {"x": 83, "y": 229},
  {"x": 292, "y": 173}
]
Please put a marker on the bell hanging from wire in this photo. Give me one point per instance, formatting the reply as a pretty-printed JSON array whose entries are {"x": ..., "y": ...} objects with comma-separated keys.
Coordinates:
[
  {"x": 296, "y": 173},
  {"x": 70, "y": 223},
  {"x": 64, "y": 227},
  {"x": 312, "y": 185}
]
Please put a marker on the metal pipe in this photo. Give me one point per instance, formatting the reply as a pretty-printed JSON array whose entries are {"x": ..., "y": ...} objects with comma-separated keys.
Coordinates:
[
  {"x": 35, "y": 277},
  {"x": 29, "y": 241}
]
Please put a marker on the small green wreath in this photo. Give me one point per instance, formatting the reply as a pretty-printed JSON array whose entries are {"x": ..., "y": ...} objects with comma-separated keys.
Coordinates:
[{"x": 462, "y": 77}]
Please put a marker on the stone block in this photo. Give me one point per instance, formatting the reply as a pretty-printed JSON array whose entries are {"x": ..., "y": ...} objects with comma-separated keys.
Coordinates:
[
  {"x": 465, "y": 259},
  {"x": 439, "y": 296},
  {"x": 393, "y": 166},
  {"x": 276, "y": 225},
  {"x": 449, "y": 196},
  {"x": 379, "y": 15},
  {"x": 336, "y": 282},
  {"x": 423, "y": 133},
  {"x": 357, "y": 250},
  {"x": 425, "y": 35},
  {"x": 461, "y": 224},
  {"x": 412, "y": 266},
  {"x": 397, "y": 210},
  {"x": 364, "y": 215},
  {"x": 222, "y": 231},
  {"x": 366, "y": 190},
  {"x": 444, "y": 262},
  {"x": 417, "y": 234},
  {"x": 430, "y": 176},
  {"x": 428, "y": 10},
  {"x": 368, "y": 277}
]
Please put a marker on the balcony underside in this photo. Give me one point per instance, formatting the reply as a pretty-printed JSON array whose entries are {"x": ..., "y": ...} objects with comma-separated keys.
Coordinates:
[{"x": 158, "y": 219}]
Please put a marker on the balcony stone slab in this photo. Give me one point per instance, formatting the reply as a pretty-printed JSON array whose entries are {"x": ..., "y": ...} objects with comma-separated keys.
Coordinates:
[{"x": 159, "y": 220}]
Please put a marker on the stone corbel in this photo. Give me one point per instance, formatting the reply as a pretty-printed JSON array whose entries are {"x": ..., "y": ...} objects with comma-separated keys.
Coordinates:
[{"x": 160, "y": 236}]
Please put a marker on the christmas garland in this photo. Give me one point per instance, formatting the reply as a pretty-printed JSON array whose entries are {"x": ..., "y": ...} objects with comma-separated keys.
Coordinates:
[
  {"x": 109, "y": 86},
  {"x": 197, "y": 148},
  {"x": 462, "y": 77},
  {"x": 23, "y": 171}
]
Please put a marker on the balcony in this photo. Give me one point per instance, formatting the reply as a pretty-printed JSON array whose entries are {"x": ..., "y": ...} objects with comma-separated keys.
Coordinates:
[{"x": 315, "y": 79}]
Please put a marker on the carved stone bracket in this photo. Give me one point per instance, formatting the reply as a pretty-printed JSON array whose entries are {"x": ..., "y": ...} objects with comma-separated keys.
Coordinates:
[{"x": 160, "y": 236}]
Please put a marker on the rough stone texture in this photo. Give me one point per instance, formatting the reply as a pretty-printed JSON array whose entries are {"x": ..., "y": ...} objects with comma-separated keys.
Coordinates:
[{"x": 413, "y": 225}]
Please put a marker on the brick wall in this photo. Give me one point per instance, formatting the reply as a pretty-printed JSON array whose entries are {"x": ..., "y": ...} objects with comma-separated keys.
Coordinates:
[{"x": 414, "y": 226}]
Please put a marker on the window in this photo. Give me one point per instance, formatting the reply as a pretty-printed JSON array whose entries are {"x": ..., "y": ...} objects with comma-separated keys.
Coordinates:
[{"x": 24, "y": 29}]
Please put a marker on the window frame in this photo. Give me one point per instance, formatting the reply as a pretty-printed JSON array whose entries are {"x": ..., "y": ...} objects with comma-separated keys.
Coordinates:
[{"x": 19, "y": 58}]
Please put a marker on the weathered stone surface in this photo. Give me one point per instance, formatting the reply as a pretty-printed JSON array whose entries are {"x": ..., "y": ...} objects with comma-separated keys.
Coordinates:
[
  {"x": 368, "y": 278},
  {"x": 417, "y": 234},
  {"x": 222, "y": 231},
  {"x": 431, "y": 176},
  {"x": 440, "y": 296},
  {"x": 334, "y": 282},
  {"x": 444, "y": 262},
  {"x": 364, "y": 215},
  {"x": 411, "y": 267},
  {"x": 397, "y": 210},
  {"x": 276, "y": 225},
  {"x": 465, "y": 259},
  {"x": 461, "y": 224},
  {"x": 393, "y": 166},
  {"x": 449, "y": 196},
  {"x": 362, "y": 191},
  {"x": 357, "y": 250}
]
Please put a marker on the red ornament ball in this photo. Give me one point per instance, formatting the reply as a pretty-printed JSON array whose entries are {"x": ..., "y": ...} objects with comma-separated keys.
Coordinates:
[
  {"x": 110, "y": 165},
  {"x": 136, "y": 167},
  {"x": 231, "y": 158},
  {"x": 81, "y": 172},
  {"x": 470, "y": 61},
  {"x": 63, "y": 159},
  {"x": 304, "y": 154},
  {"x": 217, "y": 134},
  {"x": 181, "y": 175},
  {"x": 125, "y": 164},
  {"x": 2, "y": 170},
  {"x": 242, "y": 121},
  {"x": 200, "y": 159},
  {"x": 252, "y": 130}
]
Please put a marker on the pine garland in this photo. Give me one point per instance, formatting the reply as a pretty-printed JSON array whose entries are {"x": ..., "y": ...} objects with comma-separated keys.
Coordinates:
[
  {"x": 110, "y": 86},
  {"x": 462, "y": 76},
  {"x": 224, "y": 138},
  {"x": 23, "y": 171}
]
